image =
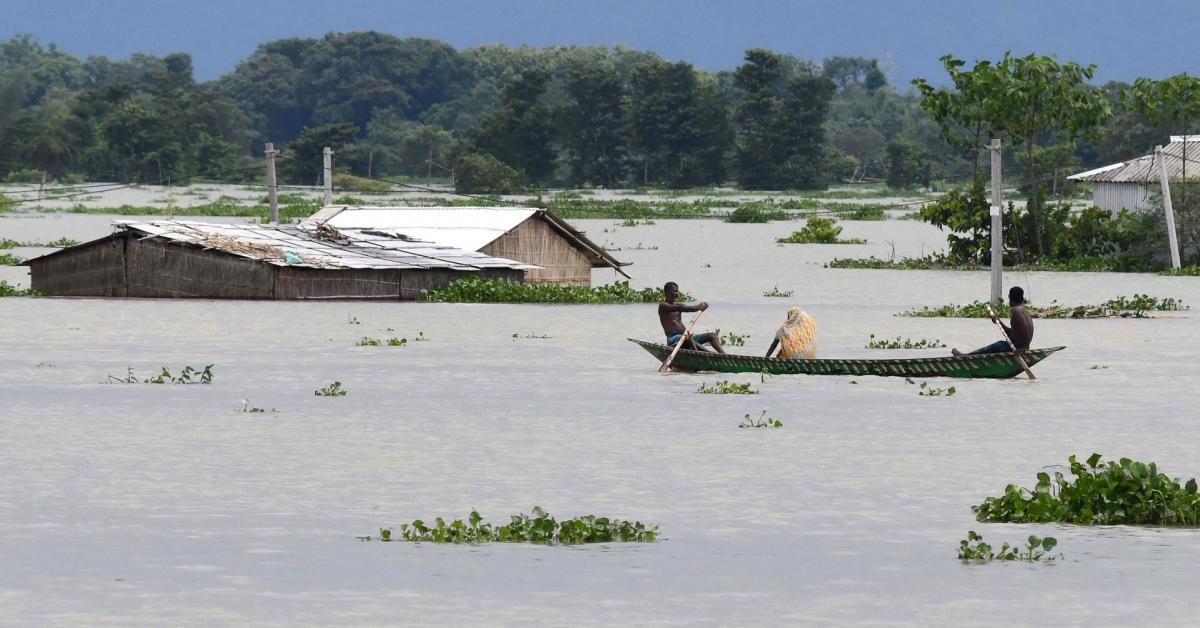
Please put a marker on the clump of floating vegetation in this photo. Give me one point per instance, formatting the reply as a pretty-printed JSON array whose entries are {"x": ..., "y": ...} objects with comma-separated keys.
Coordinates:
[
  {"x": 929, "y": 262},
  {"x": 1137, "y": 306},
  {"x": 376, "y": 342},
  {"x": 723, "y": 387},
  {"x": 757, "y": 213},
  {"x": 9, "y": 260},
  {"x": 251, "y": 409},
  {"x": 537, "y": 527},
  {"x": 762, "y": 421},
  {"x": 733, "y": 340},
  {"x": 776, "y": 292},
  {"x": 333, "y": 390},
  {"x": 974, "y": 548},
  {"x": 188, "y": 375},
  {"x": 903, "y": 343},
  {"x": 1121, "y": 492},
  {"x": 9, "y": 290},
  {"x": 477, "y": 290},
  {"x": 818, "y": 230}
]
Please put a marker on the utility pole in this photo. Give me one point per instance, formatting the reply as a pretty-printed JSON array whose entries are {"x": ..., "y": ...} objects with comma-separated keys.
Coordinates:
[
  {"x": 272, "y": 189},
  {"x": 1166, "y": 194},
  {"x": 328, "y": 176},
  {"x": 997, "y": 222}
]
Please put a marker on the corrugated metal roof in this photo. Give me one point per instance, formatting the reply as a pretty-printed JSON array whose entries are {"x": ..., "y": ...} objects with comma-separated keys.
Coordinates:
[
  {"x": 321, "y": 248},
  {"x": 469, "y": 228},
  {"x": 1144, "y": 169}
]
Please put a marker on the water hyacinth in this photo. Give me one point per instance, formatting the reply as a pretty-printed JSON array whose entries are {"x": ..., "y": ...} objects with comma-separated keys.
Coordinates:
[
  {"x": 536, "y": 527},
  {"x": 478, "y": 290}
]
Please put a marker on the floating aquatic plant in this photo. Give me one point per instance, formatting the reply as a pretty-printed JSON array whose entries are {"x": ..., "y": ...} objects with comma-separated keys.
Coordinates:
[
  {"x": 903, "y": 343},
  {"x": 762, "y": 421},
  {"x": 188, "y": 375},
  {"x": 478, "y": 290},
  {"x": 537, "y": 527},
  {"x": 1136, "y": 306},
  {"x": 333, "y": 390},
  {"x": 722, "y": 387},
  {"x": 974, "y": 548},
  {"x": 776, "y": 292},
  {"x": 819, "y": 230},
  {"x": 1121, "y": 492}
]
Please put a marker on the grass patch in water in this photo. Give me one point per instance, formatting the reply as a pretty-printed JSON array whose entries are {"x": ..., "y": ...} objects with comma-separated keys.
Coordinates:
[
  {"x": 762, "y": 421},
  {"x": 333, "y": 390},
  {"x": 1121, "y": 492},
  {"x": 537, "y": 527},
  {"x": 776, "y": 292}
]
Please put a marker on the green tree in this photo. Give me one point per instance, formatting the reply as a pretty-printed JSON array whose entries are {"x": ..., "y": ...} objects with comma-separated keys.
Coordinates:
[
  {"x": 1173, "y": 102},
  {"x": 801, "y": 129},
  {"x": 760, "y": 151},
  {"x": 593, "y": 124},
  {"x": 520, "y": 131},
  {"x": 478, "y": 173},
  {"x": 848, "y": 71},
  {"x": 303, "y": 158},
  {"x": 677, "y": 123},
  {"x": 962, "y": 113},
  {"x": 906, "y": 164}
]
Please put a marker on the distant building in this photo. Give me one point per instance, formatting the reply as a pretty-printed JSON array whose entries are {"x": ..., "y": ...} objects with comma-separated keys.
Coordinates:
[
  {"x": 1134, "y": 184},
  {"x": 340, "y": 252},
  {"x": 562, "y": 254}
]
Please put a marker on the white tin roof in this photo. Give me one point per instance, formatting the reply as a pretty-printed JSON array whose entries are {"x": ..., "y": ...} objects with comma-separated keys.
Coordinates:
[
  {"x": 1145, "y": 169},
  {"x": 467, "y": 228},
  {"x": 320, "y": 248}
]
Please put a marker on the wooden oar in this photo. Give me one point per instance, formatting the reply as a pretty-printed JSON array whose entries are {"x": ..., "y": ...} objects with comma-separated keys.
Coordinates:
[
  {"x": 687, "y": 333},
  {"x": 1016, "y": 355}
]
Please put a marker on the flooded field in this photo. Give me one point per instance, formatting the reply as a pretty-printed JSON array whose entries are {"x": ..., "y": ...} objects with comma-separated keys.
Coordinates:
[{"x": 138, "y": 504}]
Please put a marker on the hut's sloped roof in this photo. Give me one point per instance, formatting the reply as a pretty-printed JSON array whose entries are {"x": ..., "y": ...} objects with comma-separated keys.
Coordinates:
[
  {"x": 1144, "y": 169},
  {"x": 320, "y": 248},
  {"x": 469, "y": 228}
]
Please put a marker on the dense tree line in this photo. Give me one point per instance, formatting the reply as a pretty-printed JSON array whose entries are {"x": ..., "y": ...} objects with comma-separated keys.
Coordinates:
[{"x": 564, "y": 115}]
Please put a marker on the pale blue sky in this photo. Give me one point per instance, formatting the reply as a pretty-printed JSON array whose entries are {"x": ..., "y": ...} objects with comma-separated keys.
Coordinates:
[{"x": 1124, "y": 39}]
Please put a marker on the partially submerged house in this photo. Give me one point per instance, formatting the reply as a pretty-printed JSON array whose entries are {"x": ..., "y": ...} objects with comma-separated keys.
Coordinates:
[
  {"x": 1135, "y": 184},
  {"x": 341, "y": 252},
  {"x": 175, "y": 258},
  {"x": 562, "y": 254}
]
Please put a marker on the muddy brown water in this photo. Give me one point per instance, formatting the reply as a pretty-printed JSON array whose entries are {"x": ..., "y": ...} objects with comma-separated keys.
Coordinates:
[{"x": 151, "y": 505}]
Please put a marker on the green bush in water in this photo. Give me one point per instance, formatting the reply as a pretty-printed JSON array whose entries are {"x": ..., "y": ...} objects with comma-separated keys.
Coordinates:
[{"x": 818, "y": 230}]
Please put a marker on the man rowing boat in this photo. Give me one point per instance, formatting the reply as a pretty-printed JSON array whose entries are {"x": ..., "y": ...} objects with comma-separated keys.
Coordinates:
[
  {"x": 1019, "y": 329},
  {"x": 670, "y": 314}
]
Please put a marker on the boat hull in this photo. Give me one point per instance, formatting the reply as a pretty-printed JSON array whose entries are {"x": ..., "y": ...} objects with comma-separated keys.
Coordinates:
[{"x": 987, "y": 366}]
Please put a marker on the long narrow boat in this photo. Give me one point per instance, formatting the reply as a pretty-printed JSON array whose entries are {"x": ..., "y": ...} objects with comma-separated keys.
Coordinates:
[{"x": 992, "y": 365}]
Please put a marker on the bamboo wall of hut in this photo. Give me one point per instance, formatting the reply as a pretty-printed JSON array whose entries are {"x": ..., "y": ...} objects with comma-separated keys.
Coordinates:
[{"x": 535, "y": 242}]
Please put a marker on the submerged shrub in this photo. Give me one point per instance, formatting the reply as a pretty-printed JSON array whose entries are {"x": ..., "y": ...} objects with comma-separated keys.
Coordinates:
[
  {"x": 1122, "y": 492},
  {"x": 818, "y": 230}
]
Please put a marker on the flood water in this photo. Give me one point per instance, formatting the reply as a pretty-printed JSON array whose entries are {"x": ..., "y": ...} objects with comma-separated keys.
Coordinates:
[{"x": 124, "y": 504}]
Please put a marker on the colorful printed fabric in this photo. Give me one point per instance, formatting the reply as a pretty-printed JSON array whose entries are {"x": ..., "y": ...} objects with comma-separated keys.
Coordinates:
[{"x": 798, "y": 336}]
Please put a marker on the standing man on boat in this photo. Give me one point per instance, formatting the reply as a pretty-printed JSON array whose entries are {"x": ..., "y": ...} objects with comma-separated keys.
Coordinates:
[
  {"x": 670, "y": 314},
  {"x": 1019, "y": 327}
]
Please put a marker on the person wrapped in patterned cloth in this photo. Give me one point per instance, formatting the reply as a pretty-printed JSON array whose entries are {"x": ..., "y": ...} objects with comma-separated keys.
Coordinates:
[{"x": 796, "y": 338}]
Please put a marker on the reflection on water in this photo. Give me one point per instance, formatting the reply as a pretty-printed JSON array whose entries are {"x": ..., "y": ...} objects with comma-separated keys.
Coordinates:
[{"x": 156, "y": 504}]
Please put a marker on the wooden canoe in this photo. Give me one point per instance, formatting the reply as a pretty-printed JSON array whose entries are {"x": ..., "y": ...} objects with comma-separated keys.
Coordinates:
[{"x": 991, "y": 365}]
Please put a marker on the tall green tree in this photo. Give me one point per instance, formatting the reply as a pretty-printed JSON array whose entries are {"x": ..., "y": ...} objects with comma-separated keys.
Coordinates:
[
  {"x": 962, "y": 113},
  {"x": 303, "y": 157},
  {"x": 760, "y": 150},
  {"x": 593, "y": 124},
  {"x": 520, "y": 132},
  {"x": 677, "y": 124}
]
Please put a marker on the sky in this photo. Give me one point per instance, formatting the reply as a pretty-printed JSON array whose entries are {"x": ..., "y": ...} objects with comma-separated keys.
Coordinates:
[{"x": 1124, "y": 39}]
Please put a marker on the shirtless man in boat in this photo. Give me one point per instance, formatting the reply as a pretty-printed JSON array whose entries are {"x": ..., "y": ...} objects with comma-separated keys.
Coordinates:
[
  {"x": 1019, "y": 328},
  {"x": 670, "y": 314}
]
